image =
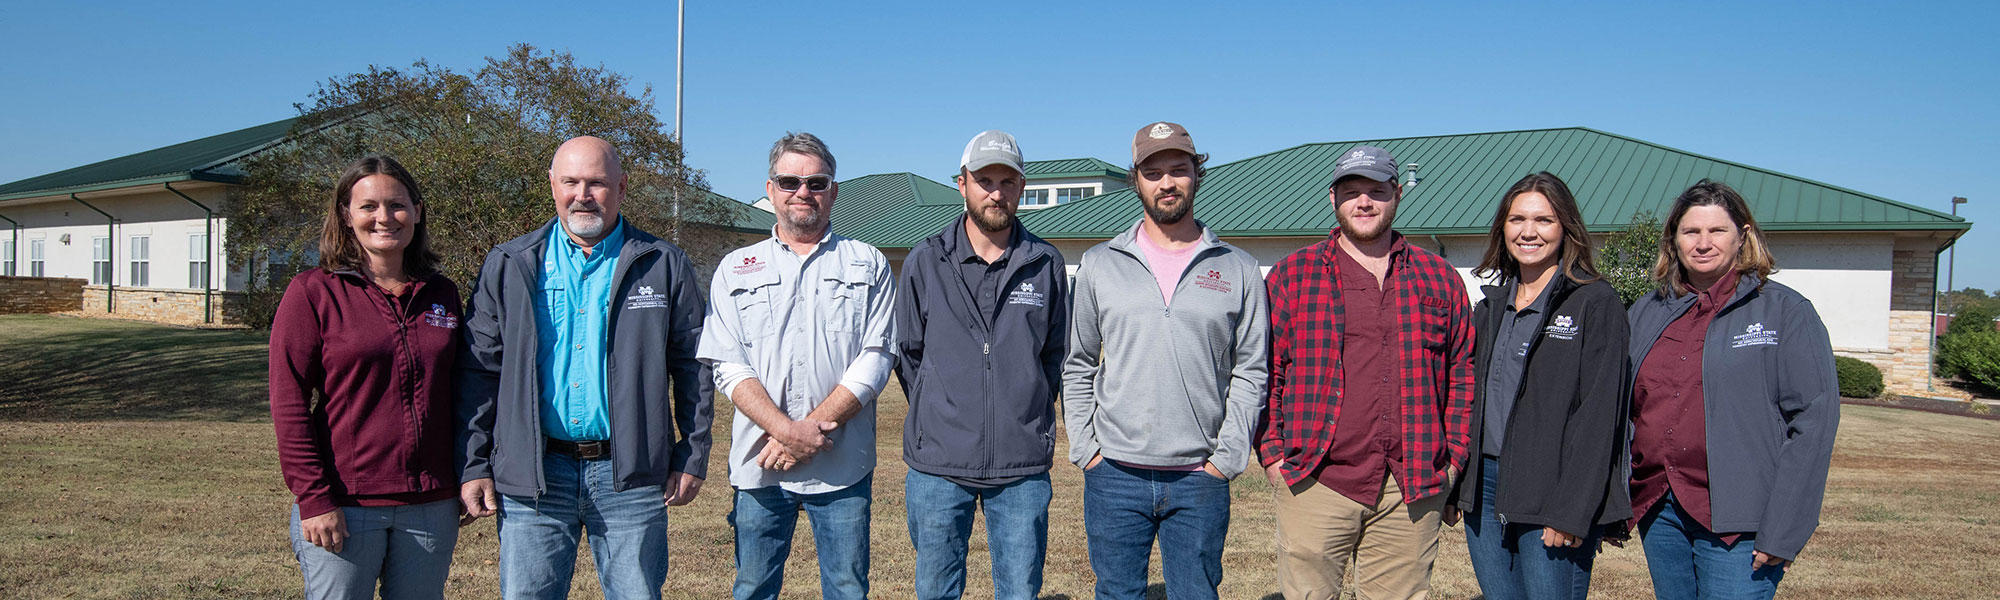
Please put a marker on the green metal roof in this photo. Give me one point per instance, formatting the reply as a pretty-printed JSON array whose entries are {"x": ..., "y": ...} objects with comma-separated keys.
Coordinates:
[
  {"x": 742, "y": 217},
  {"x": 894, "y": 210},
  {"x": 1072, "y": 167},
  {"x": 1614, "y": 177},
  {"x": 212, "y": 158}
]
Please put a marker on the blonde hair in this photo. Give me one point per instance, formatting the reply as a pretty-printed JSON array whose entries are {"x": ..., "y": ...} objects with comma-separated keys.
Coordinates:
[{"x": 1753, "y": 256}]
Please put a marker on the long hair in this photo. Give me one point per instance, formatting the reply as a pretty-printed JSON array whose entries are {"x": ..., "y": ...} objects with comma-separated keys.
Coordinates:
[
  {"x": 1575, "y": 260},
  {"x": 339, "y": 251},
  {"x": 1754, "y": 254}
]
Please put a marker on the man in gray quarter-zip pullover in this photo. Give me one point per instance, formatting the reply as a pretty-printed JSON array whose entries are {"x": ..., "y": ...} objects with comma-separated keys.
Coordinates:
[{"x": 1161, "y": 389}]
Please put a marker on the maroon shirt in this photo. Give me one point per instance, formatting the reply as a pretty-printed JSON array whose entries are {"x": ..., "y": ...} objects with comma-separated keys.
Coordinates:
[
  {"x": 1368, "y": 435},
  {"x": 361, "y": 393},
  {"x": 1669, "y": 435}
]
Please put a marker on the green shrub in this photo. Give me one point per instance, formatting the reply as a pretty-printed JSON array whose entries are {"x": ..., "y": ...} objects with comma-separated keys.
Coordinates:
[
  {"x": 1858, "y": 378},
  {"x": 1973, "y": 318},
  {"x": 1972, "y": 356}
]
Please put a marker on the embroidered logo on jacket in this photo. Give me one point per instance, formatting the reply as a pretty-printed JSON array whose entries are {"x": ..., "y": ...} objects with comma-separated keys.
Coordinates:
[
  {"x": 1212, "y": 280},
  {"x": 439, "y": 317},
  {"x": 1755, "y": 335},
  {"x": 645, "y": 298},
  {"x": 1026, "y": 294},
  {"x": 1561, "y": 327},
  {"x": 750, "y": 265}
]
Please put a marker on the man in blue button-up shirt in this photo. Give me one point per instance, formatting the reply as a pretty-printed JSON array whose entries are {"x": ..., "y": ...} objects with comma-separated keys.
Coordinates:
[{"x": 567, "y": 420}]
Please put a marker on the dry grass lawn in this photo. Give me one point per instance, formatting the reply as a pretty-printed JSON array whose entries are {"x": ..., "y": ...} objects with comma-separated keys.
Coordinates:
[{"x": 121, "y": 478}]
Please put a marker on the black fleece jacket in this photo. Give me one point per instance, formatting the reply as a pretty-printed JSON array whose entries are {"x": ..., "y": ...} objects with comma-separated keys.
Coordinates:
[{"x": 1565, "y": 437}]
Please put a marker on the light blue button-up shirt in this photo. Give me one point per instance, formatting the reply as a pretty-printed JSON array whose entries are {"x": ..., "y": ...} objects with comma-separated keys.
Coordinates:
[{"x": 570, "y": 318}]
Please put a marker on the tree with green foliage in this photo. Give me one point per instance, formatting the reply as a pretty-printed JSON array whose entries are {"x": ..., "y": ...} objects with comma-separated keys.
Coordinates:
[
  {"x": 479, "y": 145},
  {"x": 1628, "y": 255}
]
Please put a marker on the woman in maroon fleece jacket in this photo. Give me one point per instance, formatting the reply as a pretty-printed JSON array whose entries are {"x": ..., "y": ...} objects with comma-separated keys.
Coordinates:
[{"x": 362, "y": 351}]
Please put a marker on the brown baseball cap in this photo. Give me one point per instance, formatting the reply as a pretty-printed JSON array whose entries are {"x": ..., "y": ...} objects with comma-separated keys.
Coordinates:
[{"x": 1163, "y": 135}]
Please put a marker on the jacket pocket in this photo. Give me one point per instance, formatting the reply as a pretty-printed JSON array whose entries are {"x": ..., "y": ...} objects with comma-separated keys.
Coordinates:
[
  {"x": 754, "y": 300},
  {"x": 1433, "y": 322}
]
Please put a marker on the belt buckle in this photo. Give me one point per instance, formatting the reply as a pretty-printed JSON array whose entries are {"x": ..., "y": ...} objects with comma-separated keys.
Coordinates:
[{"x": 592, "y": 450}]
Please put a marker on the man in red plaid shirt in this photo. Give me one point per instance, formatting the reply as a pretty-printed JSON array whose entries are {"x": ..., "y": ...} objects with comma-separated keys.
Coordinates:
[{"x": 1370, "y": 396}]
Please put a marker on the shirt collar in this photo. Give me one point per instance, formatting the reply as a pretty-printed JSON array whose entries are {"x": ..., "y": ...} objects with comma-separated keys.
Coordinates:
[{"x": 959, "y": 243}]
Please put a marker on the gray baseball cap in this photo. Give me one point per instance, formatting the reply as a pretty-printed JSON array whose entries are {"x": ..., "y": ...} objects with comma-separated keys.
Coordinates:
[
  {"x": 1366, "y": 161},
  {"x": 992, "y": 147}
]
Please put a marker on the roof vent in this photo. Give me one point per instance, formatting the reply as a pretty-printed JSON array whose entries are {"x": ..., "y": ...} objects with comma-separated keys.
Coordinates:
[{"x": 1411, "y": 180}]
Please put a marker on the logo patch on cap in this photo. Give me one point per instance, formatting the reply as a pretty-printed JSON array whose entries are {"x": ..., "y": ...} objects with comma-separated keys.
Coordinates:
[{"x": 1160, "y": 131}]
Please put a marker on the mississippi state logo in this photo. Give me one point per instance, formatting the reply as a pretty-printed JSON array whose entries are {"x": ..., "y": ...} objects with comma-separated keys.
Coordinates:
[
  {"x": 749, "y": 265},
  {"x": 1212, "y": 280},
  {"x": 1755, "y": 335},
  {"x": 439, "y": 317},
  {"x": 645, "y": 290},
  {"x": 1026, "y": 294},
  {"x": 1561, "y": 327}
]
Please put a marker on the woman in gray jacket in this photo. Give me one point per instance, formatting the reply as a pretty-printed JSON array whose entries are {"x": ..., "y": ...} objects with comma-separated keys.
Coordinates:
[{"x": 1734, "y": 407}]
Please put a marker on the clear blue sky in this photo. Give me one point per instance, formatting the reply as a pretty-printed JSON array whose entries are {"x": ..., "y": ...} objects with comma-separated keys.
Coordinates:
[{"x": 1893, "y": 99}]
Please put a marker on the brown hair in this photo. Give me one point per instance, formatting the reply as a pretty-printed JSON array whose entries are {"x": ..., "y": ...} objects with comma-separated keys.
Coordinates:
[
  {"x": 339, "y": 251},
  {"x": 1574, "y": 262},
  {"x": 1754, "y": 255}
]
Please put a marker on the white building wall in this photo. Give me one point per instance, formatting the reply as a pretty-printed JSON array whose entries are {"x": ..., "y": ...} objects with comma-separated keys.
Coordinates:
[{"x": 165, "y": 219}]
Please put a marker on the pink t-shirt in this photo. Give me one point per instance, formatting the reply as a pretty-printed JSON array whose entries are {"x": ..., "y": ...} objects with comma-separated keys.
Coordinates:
[{"x": 1167, "y": 265}]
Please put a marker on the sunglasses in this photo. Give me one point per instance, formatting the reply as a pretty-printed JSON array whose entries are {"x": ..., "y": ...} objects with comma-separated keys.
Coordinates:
[{"x": 813, "y": 183}]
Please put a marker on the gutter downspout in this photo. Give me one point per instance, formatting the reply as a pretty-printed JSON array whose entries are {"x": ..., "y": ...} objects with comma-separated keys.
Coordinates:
[
  {"x": 1440, "y": 243},
  {"x": 17, "y": 242},
  {"x": 1930, "y": 370},
  {"x": 208, "y": 235},
  {"x": 110, "y": 250}
]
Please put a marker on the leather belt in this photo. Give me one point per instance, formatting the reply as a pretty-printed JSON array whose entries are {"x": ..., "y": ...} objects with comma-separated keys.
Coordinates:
[{"x": 585, "y": 450}]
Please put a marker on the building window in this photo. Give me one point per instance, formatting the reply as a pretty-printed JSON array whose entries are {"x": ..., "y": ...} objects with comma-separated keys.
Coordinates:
[
  {"x": 9, "y": 259},
  {"x": 100, "y": 261},
  {"x": 198, "y": 260},
  {"x": 142, "y": 261},
  {"x": 1072, "y": 194},
  {"x": 35, "y": 263},
  {"x": 1035, "y": 198}
]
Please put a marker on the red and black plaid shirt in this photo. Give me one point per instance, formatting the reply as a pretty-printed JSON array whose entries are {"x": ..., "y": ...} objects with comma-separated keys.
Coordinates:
[{"x": 1434, "y": 322}]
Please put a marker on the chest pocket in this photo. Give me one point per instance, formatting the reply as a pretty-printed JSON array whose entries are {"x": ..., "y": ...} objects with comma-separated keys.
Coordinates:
[
  {"x": 1434, "y": 322},
  {"x": 843, "y": 296},
  {"x": 755, "y": 295}
]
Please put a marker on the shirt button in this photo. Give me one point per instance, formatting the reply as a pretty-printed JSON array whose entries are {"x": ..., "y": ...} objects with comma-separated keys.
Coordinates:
[
  {"x": 1684, "y": 358},
  {"x": 579, "y": 346},
  {"x": 575, "y": 421},
  {"x": 575, "y": 385}
]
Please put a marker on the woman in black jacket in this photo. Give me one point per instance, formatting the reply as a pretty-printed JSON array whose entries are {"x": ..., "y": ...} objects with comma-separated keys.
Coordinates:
[{"x": 1549, "y": 406}]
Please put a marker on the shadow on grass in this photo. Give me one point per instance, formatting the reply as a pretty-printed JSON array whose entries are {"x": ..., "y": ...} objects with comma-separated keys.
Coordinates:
[{"x": 66, "y": 369}]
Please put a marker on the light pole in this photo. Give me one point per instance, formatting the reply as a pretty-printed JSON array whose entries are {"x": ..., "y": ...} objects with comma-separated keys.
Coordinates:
[{"x": 1951, "y": 264}]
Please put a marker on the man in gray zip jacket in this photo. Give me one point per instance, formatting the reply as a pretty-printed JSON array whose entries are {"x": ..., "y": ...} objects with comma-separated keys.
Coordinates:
[
  {"x": 1164, "y": 380},
  {"x": 600, "y": 453},
  {"x": 983, "y": 314}
]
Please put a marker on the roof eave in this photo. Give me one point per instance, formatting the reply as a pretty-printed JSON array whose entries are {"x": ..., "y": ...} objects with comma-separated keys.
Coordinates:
[{"x": 63, "y": 192}]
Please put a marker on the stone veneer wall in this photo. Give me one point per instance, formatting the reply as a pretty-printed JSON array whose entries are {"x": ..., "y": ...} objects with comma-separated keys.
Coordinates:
[
  {"x": 20, "y": 295},
  {"x": 1906, "y": 364},
  {"x": 177, "y": 306}
]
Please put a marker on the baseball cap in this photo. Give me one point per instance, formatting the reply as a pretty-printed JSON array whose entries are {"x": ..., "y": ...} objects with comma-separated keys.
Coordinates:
[
  {"x": 992, "y": 147},
  {"x": 1156, "y": 137},
  {"x": 1366, "y": 161}
]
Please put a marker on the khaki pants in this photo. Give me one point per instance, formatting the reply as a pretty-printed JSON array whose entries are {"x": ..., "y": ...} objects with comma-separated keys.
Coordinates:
[{"x": 1393, "y": 545}]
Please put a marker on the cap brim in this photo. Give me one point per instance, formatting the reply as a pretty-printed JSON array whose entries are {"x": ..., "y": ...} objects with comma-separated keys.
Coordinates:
[{"x": 981, "y": 164}]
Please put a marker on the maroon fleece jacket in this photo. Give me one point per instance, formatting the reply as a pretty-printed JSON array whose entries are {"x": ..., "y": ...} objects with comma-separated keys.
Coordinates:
[{"x": 361, "y": 390}]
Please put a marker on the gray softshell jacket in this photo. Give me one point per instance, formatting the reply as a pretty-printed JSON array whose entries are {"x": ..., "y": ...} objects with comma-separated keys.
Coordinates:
[
  {"x": 1770, "y": 403},
  {"x": 982, "y": 387},
  {"x": 654, "y": 384}
]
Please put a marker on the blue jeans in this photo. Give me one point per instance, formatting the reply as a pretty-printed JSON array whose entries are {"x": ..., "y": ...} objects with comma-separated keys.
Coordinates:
[
  {"x": 1125, "y": 508},
  {"x": 765, "y": 518},
  {"x": 538, "y": 534},
  {"x": 406, "y": 548},
  {"x": 1689, "y": 562},
  {"x": 1017, "y": 532},
  {"x": 1510, "y": 560}
]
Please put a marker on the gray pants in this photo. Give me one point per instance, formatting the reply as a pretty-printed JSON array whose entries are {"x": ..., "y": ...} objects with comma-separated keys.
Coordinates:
[{"x": 406, "y": 548}]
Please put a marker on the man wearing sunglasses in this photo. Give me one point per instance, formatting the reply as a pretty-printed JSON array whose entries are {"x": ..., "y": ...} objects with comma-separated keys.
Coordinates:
[
  {"x": 1164, "y": 380},
  {"x": 983, "y": 320},
  {"x": 800, "y": 337}
]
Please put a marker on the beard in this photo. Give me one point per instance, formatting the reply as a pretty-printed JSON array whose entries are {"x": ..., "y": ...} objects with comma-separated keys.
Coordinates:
[
  {"x": 585, "y": 225},
  {"x": 811, "y": 221},
  {"x": 1169, "y": 216},
  {"x": 989, "y": 223},
  {"x": 1386, "y": 221}
]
